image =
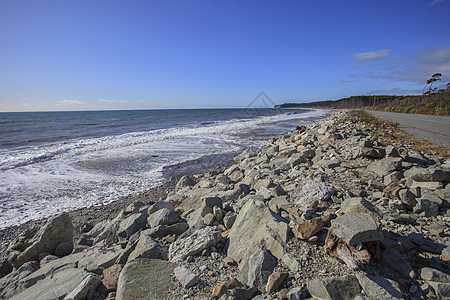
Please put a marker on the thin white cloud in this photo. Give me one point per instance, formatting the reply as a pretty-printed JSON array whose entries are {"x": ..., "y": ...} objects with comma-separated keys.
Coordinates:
[
  {"x": 436, "y": 2},
  {"x": 70, "y": 102},
  {"x": 112, "y": 101},
  {"x": 394, "y": 91},
  {"x": 371, "y": 55}
]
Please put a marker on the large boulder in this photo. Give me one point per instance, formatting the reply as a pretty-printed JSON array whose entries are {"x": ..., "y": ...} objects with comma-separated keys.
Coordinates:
[
  {"x": 56, "y": 286},
  {"x": 98, "y": 258},
  {"x": 360, "y": 205},
  {"x": 354, "y": 228},
  {"x": 310, "y": 191},
  {"x": 132, "y": 224},
  {"x": 385, "y": 166},
  {"x": 260, "y": 265},
  {"x": 427, "y": 174},
  {"x": 55, "y": 231},
  {"x": 256, "y": 224},
  {"x": 145, "y": 279},
  {"x": 344, "y": 287},
  {"x": 193, "y": 242},
  {"x": 163, "y": 216},
  {"x": 378, "y": 287},
  {"x": 147, "y": 248}
]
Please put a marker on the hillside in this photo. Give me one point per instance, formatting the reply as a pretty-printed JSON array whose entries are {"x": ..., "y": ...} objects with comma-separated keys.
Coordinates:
[{"x": 436, "y": 104}]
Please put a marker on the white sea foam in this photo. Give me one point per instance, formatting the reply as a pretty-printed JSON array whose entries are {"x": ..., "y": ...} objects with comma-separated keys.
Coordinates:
[{"x": 43, "y": 180}]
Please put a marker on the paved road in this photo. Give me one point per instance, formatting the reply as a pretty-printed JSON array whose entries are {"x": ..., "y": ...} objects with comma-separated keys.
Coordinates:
[{"x": 435, "y": 129}]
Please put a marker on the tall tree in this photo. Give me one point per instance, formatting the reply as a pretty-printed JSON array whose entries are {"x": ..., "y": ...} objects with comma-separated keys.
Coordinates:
[{"x": 429, "y": 85}]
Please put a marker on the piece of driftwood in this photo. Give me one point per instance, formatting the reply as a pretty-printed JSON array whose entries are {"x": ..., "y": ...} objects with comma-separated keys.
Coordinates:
[{"x": 353, "y": 257}]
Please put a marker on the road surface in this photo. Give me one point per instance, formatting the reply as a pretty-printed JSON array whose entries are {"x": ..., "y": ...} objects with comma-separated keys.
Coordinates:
[{"x": 435, "y": 129}]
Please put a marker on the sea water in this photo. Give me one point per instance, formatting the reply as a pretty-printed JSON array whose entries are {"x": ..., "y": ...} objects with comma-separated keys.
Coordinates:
[{"x": 59, "y": 161}]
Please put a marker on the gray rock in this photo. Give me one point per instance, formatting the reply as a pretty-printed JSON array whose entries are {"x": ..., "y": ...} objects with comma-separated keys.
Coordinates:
[
  {"x": 260, "y": 265},
  {"x": 63, "y": 249},
  {"x": 132, "y": 224},
  {"x": 160, "y": 205},
  {"x": 391, "y": 151},
  {"x": 147, "y": 248},
  {"x": 442, "y": 289},
  {"x": 208, "y": 219},
  {"x": 145, "y": 279},
  {"x": 164, "y": 230},
  {"x": 163, "y": 216},
  {"x": 344, "y": 287},
  {"x": 85, "y": 290},
  {"x": 295, "y": 294},
  {"x": 186, "y": 277},
  {"x": 55, "y": 231},
  {"x": 61, "y": 283},
  {"x": 360, "y": 205},
  {"x": 427, "y": 174},
  {"x": 194, "y": 243},
  {"x": 393, "y": 177},
  {"x": 407, "y": 197},
  {"x": 431, "y": 274},
  {"x": 355, "y": 228},
  {"x": 208, "y": 204},
  {"x": 184, "y": 182},
  {"x": 415, "y": 157},
  {"x": 106, "y": 231},
  {"x": 370, "y": 152},
  {"x": 229, "y": 219},
  {"x": 397, "y": 262},
  {"x": 378, "y": 287},
  {"x": 385, "y": 166},
  {"x": 98, "y": 258},
  {"x": 254, "y": 224},
  {"x": 5, "y": 267},
  {"x": 429, "y": 208},
  {"x": 310, "y": 191},
  {"x": 296, "y": 159}
]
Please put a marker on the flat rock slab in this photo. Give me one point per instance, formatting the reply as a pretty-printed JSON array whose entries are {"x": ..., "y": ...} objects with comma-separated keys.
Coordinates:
[
  {"x": 54, "y": 287},
  {"x": 378, "y": 287},
  {"x": 355, "y": 228},
  {"x": 145, "y": 279},
  {"x": 344, "y": 287}
]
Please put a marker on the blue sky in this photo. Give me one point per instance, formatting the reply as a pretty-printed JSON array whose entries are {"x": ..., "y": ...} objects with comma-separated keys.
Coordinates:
[{"x": 79, "y": 55}]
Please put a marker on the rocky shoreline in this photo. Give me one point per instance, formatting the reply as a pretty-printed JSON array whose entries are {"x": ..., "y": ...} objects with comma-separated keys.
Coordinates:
[{"x": 328, "y": 211}]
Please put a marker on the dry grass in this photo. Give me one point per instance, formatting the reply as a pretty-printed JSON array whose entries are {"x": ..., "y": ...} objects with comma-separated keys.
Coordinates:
[
  {"x": 437, "y": 107},
  {"x": 391, "y": 133}
]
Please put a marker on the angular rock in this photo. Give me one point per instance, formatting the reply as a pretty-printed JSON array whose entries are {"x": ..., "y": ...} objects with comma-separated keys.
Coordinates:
[
  {"x": 397, "y": 262},
  {"x": 229, "y": 219},
  {"x": 55, "y": 231},
  {"x": 184, "y": 182},
  {"x": 260, "y": 265},
  {"x": 385, "y": 166},
  {"x": 165, "y": 230},
  {"x": 163, "y": 216},
  {"x": 431, "y": 274},
  {"x": 132, "y": 224},
  {"x": 5, "y": 267},
  {"x": 415, "y": 157},
  {"x": 429, "y": 208},
  {"x": 194, "y": 243},
  {"x": 61, "y": 283},
  {"x": 309, "y": 228},
  {"x": 427, "y": 174},
  {"x": 145, "y": 279},
  {"x": 186, "y": 277},
  {"x": 96, "y": 259},
  {"x": 431, "y": 185},
  {"x": 360, "y": 205},
  {"x": 343, "y": 287},
  {"x": 85, "y": 290},
  {"x": 275, "y": 280},
  {"x": 310, "y": 191},
  {"x": 159, "y": 205},
  {"x": 256, "y": 223},
  {"x": 393, "y": 177},
  {"x": 378, "y": 287},
  {"x": 224, "y": 287},
  {"x": 147, "y": 248},
  {"x": 111, "y": 277},
  {"x": 355, "y": 228},
  {"x": 407, "y": 197},
  {"x": 208, "y": 219},
  {"x": 442, "y": 289},
  {"x": 208, "y": 204},
  {"x": 63, "y": 249}
]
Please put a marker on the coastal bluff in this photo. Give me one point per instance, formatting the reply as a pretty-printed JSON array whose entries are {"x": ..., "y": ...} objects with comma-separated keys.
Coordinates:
[{"x": 327, "y": 211}]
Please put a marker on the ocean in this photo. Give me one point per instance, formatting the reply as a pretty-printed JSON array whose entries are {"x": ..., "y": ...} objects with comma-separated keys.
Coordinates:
[{"x": 59, "y": 161}]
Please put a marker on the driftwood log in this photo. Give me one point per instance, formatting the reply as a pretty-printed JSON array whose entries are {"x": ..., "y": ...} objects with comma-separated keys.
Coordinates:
[{"x": 354, "y": 257}]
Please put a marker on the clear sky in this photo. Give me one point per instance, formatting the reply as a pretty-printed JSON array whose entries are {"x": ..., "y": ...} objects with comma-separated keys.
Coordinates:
[{"x": 112, "y": 54}]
